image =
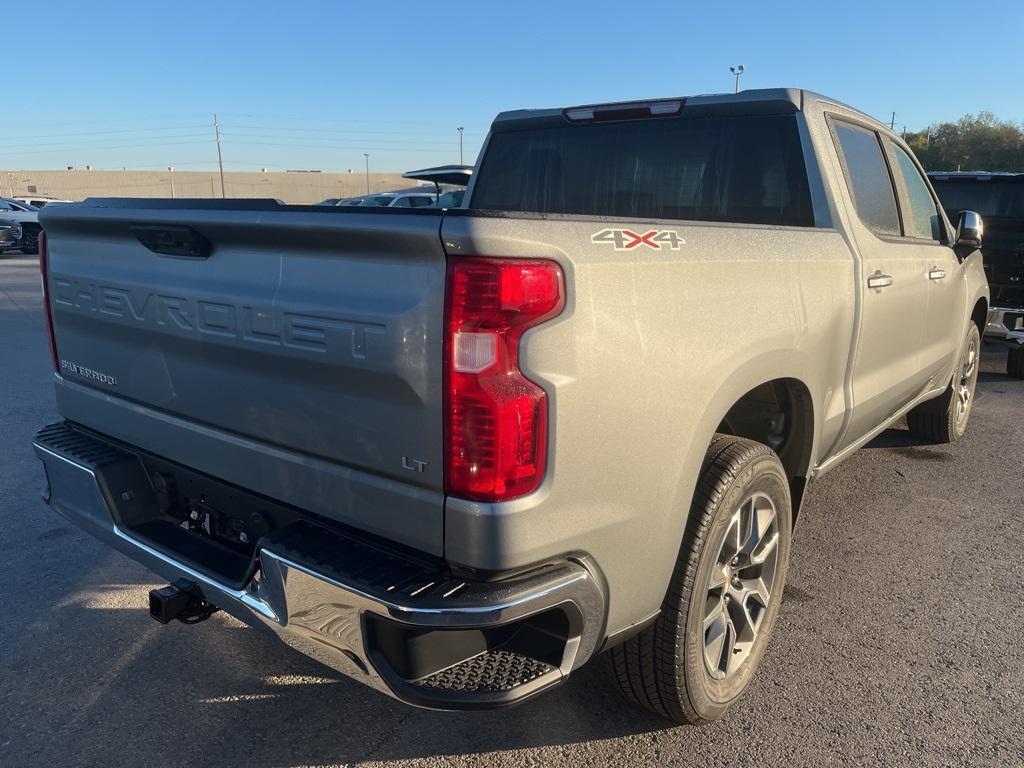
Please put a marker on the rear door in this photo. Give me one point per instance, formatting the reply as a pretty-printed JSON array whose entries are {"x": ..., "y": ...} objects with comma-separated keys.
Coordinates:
[
  {"x": 887, "y": 369},
  {"x": 299, "y": 358}
]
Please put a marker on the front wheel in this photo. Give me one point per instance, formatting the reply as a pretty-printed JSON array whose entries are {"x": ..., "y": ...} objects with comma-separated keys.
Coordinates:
[
  {"x": 944, "y": 419},
  {"x": 698, "y": 657}
]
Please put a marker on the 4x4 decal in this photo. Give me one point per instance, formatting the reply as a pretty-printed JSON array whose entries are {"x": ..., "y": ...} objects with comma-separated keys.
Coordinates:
[{"x": 627, "y": 240}]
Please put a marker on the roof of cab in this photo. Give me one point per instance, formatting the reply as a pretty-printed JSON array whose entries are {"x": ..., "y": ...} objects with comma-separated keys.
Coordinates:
[{"x": 755, "y": 101}]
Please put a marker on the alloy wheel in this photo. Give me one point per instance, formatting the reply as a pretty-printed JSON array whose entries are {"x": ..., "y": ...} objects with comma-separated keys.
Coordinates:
[{"x": 740, "y": 586}]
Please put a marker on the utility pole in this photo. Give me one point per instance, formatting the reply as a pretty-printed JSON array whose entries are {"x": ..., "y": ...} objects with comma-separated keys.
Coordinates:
[
  {"x": 220, "y": 160},
  {"x": 170, "y": 179},
  {"x": 892, "y": 123},
  {"x": 460, "y": 144},
  {"x": 737, "y": 71},
  {"x": 367, "y": 156}
]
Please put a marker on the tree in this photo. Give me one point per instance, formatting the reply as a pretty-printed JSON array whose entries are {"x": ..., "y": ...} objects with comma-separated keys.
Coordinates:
[{"x": 979, "y": 142}]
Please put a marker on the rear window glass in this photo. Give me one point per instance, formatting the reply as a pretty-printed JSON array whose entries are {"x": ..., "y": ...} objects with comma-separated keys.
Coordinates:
[{"x": 743, "y": 169}]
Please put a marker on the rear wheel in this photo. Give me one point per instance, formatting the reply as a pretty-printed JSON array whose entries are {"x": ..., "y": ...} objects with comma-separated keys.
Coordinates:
[
  {"x": 944, "y": 419},
  {"x": 698, "y": 657},
  {"x": 1015, "y": 362}
]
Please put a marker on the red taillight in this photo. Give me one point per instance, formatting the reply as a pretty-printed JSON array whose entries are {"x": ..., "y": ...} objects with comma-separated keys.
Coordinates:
[
  {"x": 47, "y": 311},
  {"x": 496, "y": 419}
]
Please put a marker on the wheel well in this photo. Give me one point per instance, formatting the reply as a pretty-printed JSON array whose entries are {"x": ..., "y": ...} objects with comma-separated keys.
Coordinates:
[
  {"x": 780, "y": 414},
  {"x": 980, "y": 315}
]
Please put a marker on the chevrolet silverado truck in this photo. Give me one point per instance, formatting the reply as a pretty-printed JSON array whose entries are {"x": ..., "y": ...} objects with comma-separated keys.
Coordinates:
[
  {"x": 999, "y": 198},
  {"x": 458, "y": 454}
]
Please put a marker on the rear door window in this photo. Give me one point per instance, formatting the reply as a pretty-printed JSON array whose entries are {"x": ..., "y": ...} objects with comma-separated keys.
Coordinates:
[
  {"x": 867, "y": 175},
  {"x": 743, "y": 169}
]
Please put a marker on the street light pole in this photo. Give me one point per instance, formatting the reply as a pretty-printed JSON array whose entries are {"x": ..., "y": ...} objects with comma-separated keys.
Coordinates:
[
  {"x": 737, "y": 71},
  {"x": 460, "y": 145},
  {"x": 220, "y": 160},
  {"x": 367, "y": 156}
]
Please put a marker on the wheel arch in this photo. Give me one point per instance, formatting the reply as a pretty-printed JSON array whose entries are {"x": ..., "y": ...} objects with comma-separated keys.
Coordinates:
[
  {"x": 780, "y": 414},
  {"x": 979, "y": 315},
  {"x": 790, "y": 377}
]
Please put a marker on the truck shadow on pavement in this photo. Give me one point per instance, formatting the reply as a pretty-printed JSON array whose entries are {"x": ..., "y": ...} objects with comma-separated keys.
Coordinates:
[{"x": 240, "y": 698}]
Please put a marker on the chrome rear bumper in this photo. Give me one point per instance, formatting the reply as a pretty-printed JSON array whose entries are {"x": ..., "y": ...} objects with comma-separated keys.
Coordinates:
[{"x": 312, "y": 607}]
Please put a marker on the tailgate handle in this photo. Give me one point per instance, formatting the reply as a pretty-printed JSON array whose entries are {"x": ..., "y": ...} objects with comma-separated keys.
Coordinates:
[{"x": 169, "y": 240}]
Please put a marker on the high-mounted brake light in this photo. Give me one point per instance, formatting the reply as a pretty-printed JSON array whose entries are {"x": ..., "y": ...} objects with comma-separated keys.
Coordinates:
[
  {"x": 626, "y": 110},
  {"x": 495, "y": 418},
  {"x": 48, "y": 312}
]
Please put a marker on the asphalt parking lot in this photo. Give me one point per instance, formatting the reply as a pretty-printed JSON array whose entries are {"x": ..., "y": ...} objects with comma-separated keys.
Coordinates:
[{"x": 899, "y": 642}]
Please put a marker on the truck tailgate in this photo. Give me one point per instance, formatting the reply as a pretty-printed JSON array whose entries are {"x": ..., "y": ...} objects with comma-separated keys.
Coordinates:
[{"x": 301, "y": 358}]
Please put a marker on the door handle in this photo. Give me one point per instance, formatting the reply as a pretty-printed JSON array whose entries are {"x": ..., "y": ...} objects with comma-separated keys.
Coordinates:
[
  {"x": 879, "y": 280},
  {"x": 936, "y": 274}
]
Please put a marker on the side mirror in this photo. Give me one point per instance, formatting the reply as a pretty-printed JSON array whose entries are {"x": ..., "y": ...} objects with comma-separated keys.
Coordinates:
[{"x": 969, "y": 231}]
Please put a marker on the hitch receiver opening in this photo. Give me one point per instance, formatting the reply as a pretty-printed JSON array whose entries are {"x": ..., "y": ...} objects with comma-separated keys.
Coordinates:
[{"x": 181, "y": 600}]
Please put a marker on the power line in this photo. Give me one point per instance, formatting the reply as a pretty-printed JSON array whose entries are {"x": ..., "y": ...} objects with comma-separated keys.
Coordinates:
[
  {"x": 346, "y": 130},
  {"x": 434, "y": 150},
  {"x": 57, "y": 145},
  {"x": 99, "y": 133},
  {"x": 308, "y": 119},
  {"x": 102, "y": 149},
  {"x": 435, "y": 142}
]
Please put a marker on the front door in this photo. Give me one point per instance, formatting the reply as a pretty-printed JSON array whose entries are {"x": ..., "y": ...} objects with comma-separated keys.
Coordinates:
[{"x": 925, "y": 231}]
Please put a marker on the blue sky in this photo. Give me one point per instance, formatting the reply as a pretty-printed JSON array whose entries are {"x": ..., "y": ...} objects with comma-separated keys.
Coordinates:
[{"x": 317, "y": 84}]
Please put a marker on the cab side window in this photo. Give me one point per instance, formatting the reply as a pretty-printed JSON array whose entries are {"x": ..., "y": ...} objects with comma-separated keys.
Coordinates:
[
  {"x": 868, "y": 177},
  {"x": 920, "y": 214}
]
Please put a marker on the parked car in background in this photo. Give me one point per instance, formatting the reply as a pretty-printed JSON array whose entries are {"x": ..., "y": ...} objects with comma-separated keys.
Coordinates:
[
  {"x": 450, "y": 183},
  {"x": 399, "y": 200},
  {"x": 451, "y": 199},
  {"x": 456, "y": 455},
  {"x": 999, "y": 198},
  {"x": 10, "y": 234},
  {"x": 26, "y": 215},
  {"x": 341, "y": 201},
  {"x": 38, "y": 201}
]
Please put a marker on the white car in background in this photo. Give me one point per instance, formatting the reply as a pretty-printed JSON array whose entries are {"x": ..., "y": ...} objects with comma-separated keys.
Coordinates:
[
  {"x": 38, "y": 201},
  {"x": 28, "y": 217},
  {"x": 399, "y": 200}
]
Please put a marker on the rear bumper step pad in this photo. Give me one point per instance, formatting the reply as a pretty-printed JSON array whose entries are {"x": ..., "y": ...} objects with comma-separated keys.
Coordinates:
[{"x": 423, "y": 636}]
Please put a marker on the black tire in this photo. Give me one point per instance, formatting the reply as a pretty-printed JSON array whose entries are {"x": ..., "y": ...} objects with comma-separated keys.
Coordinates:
[
  {"x": 945, "y": 419},
  {"x": 1015, "y": 362},
  {"x": 664, "y": 667}
]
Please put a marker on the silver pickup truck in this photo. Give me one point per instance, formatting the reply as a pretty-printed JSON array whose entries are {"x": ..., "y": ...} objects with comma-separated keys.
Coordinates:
[{"x": 456, "y": 455}]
